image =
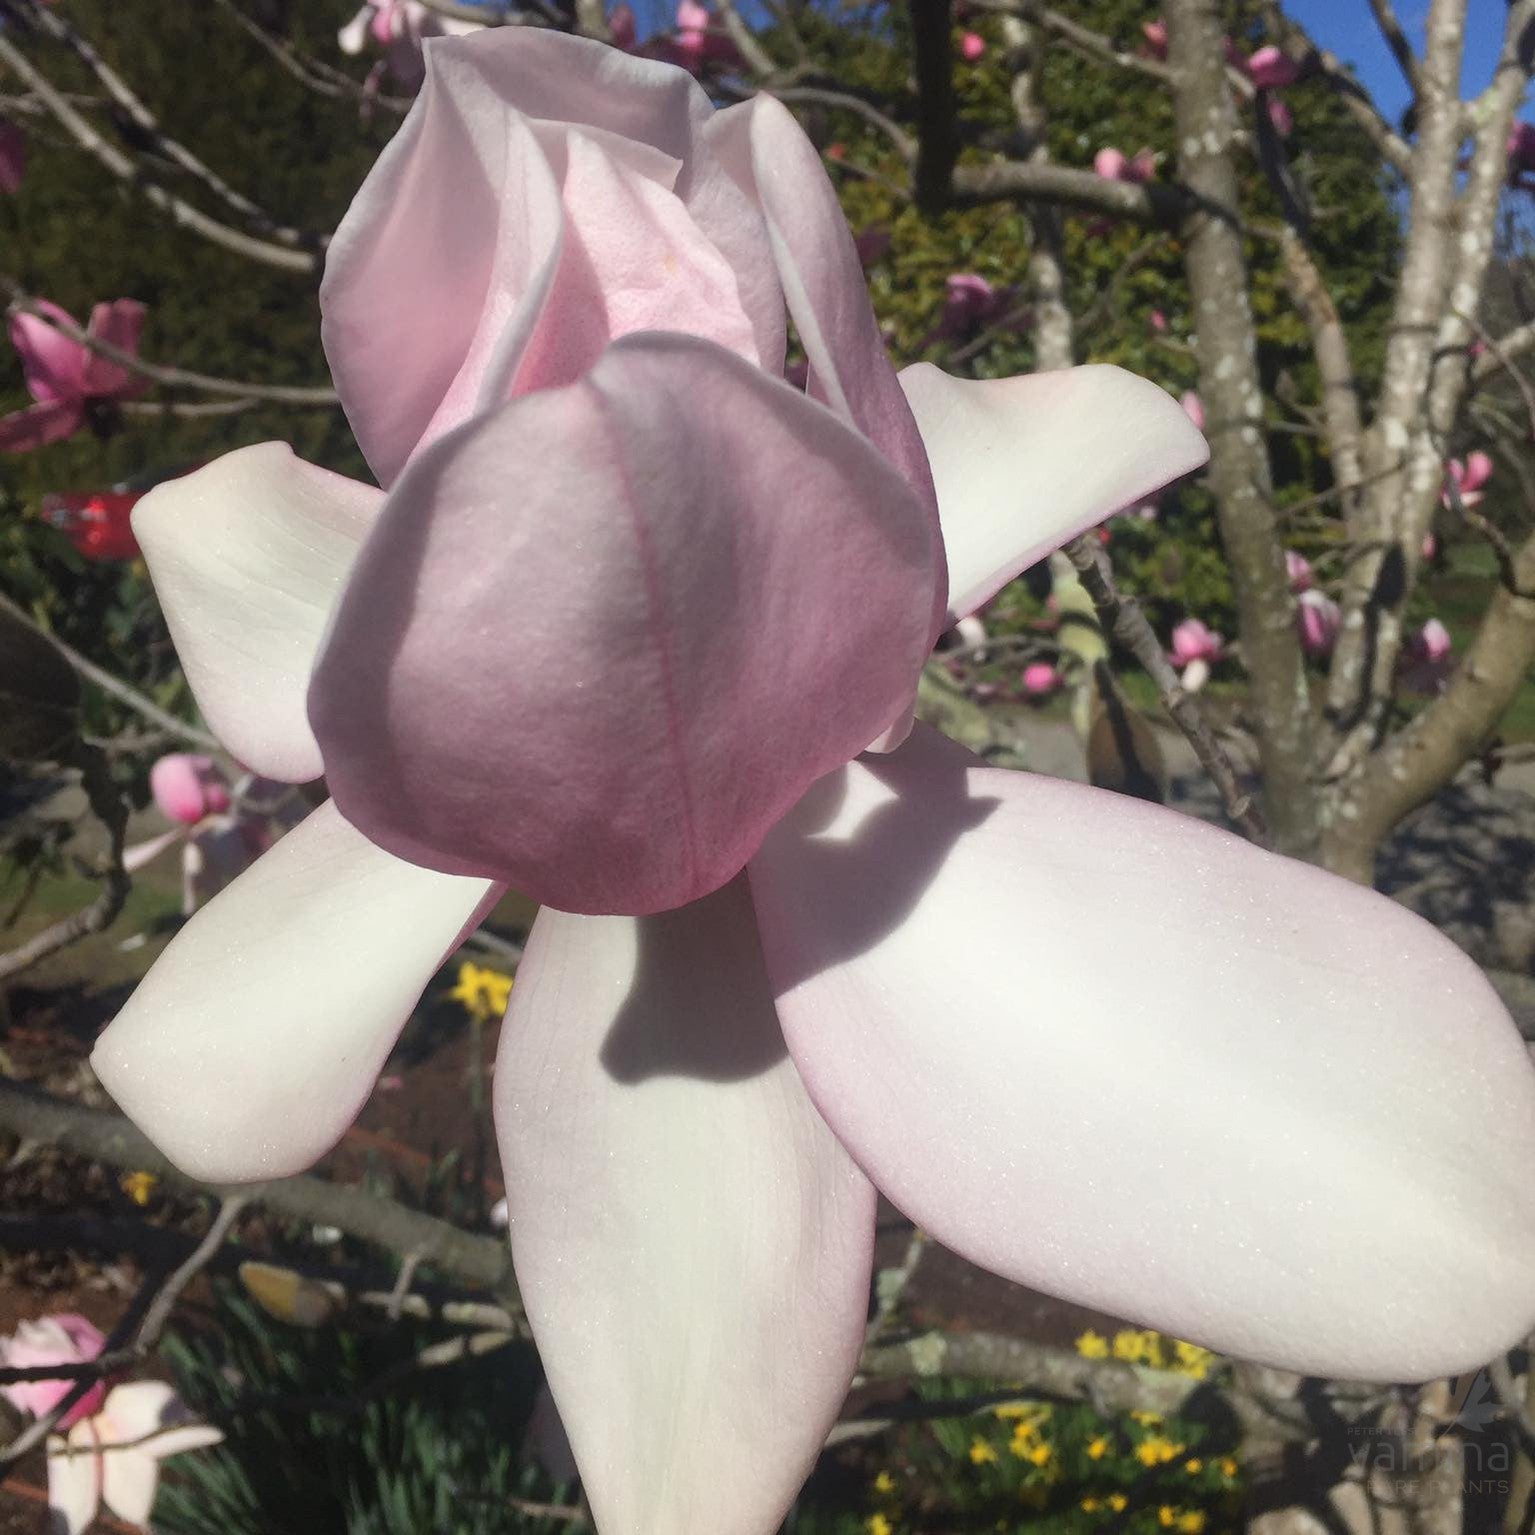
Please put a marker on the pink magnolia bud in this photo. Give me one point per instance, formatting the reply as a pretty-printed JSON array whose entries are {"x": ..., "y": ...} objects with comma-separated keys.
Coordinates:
[
  {"x": 1280, "y": 116},
  {"x": 1040, "y": 679},
  {"x": 188, "y": 787},
  {"x": 1193, "y": 408},
  {"x": 1194, "y": 641},
  {"x": 1317, "y": 618},
  {"x": 972, "y": 47},
  {"x": 1298, "y": 570},
  {"x": 1142, "y": 167},
  {"x": 1110, "y": 163},
  {"x": 1158, "y": 322},
  {"x": 1271, "y": 69},
  {"x": 1155, "y": 33},
  {"x": 1432, "y": 643},
  {"x": 623, "y": 28},
  {"x": 65, "y": 1339},
  {"x": 1468, "y": 478}
]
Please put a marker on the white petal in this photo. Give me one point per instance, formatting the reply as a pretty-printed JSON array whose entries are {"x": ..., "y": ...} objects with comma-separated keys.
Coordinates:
[
  {"x": 692, "y": 1244},
  {"x": 1023, "y": 464},
  {"x": 257, "y": 1035},
  {"x": 74, "y": 1481},
  {"x": 247, "y": 557},
  {"x": 1113, "y": 1053}
]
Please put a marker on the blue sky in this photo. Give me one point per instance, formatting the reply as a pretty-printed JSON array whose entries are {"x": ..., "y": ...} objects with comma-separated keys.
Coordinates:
[{"x": 1348, "y": 28}]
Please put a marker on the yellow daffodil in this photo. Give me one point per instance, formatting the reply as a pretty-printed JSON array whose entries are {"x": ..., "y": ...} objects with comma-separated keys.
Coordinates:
[
  {"x": 1093, "y": 1345},
  {"x": 1098, "y": 1448},
  {"x": 981, "y": 1452},
  {"x": 483, "y": 993},
  {"x": 884, "y": 1483}
]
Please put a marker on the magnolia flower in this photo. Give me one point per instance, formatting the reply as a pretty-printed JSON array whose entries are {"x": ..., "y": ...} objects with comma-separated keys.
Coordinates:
[
  {"x": 637, "y": 679},
  {"x": 1297, "y": 571},
  {"x": 970, "y": 303},
  {"x": 972, "y": 47},
  {"x": 1155, "y": 33},
  {"x": 217, "y": 841},
  {"x": 113, "y": 1457},
  {"x": 1279, "y": 115},
  {"x": 1270, "y": 68},
  {"x": 1040, "y": 679},
  {"x": 698, "y": 42},
  {"x": 1465, "y": 480},
  {"x": 63, "y": 1339},
  {"x": 66, "y": 378},
  {"x": 1317, "y": 620},
  {"x": 1194, "y": 648},
  {"x": 13, "y": 156},
  {"x": 398, "y": 28},
  {"x": 1114, "y": 165},
  {"x": 1427, "y": 658},
  {"x": 970, "y": 631}
]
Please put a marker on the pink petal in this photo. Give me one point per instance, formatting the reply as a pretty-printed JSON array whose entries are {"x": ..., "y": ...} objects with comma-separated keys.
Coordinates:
[
  {"x": 186, "y": 787},
  {"x": 1478, "y": 470},
  {"x": 248, "y": 556},
  {"x": 471, "y": 158},
  {"x": 119, "y": 324},
  {"x": 604, "y": 679},
  {"x": 24, "y": 431},
  {"x": 692, "y": 1245},
  {"x": 256, "y": 1036},
  {"x": 822, "y": 278},
  {"x": 1022, "y": 464},
  {"x": 53, "y": 365},
  {"x": 1111, "y": 164},
  {"x": 1156, "y": 1070}
]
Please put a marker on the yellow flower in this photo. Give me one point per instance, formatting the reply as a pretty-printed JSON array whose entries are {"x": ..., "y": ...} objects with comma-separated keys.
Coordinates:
[
  {"x": 1040, "y": 1455},
  {"x": 981, "y": 1452},
  {"x": 877, "y": 1524},
  {"x": 1228, "y": 1467},
  {"x": 884, "y": 1482},
  {"x": 1157, "y": 1451},
  {"x": 1098, "y": 1448},
  {"x": 1193, "y": 1360},
  {"x": 1192, "y": 1523},
  {"x": 1147, "y": 1419},
  {"x": 1091, "y": 1505},
  {"x": 1167, "y": 1516},
  {"x": 1093, "y": 1345},
  {"x": 1194, "y": 1467},
  {"x": 1117, "y": 1501},
  {"x": 138, "y": 1186},
  {"x": 482, "y": 992},
  {"x": 1029, "y": 1412}
]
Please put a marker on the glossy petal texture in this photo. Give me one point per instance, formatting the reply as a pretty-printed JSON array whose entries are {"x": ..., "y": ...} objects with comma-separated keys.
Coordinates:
[
  {"x": 1023, "y": 464},
  {"x": 256, "y": 1037},
  {"x": 1156, "y": 1070},
  {"x": 693, "y": 1246},
  {"x": 641, "y": 650},
  {"x": 248, "y": 556},
  {"x": 547, "y": 256}
]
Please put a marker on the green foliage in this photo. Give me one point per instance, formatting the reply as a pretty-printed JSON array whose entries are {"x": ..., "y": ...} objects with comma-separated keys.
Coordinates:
[{"x": 332, "y": 1432}]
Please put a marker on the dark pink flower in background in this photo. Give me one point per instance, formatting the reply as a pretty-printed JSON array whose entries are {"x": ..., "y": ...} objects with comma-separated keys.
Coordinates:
[
  {"x": 972, "y": 47},
  {"x": 1114, "y": 165},
  {"x": 64, "y": 1339},
  {"x": 1297, "y": 571},
  {"x": 1466, "y": 480},
  {"x": 1270, "y": 68},
  {"x": 1279, "y": 115},
  {"x": 1428, "y": 658},
  {"x": 64, "y": 377},
  {"x": 1317, "y": 620},
  {"x": 1040, "y": 679}
]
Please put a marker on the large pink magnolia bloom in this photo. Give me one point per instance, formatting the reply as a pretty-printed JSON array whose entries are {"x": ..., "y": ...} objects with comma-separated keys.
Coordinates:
[
  {"x": 64, "y": 377},
  {"x": 112, "y": 1457},
  {"x": 1469, "y": 478},
  {"x": 61, "y": 1339},
  {"x": 617, "y": 629},
  {"x": 1317, "y": 621}
]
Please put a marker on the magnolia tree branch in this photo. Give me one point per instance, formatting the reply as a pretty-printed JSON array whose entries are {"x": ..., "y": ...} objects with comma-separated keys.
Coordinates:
[
  {"x": 122, "y": 166},
  {"x": 1226, "y": 349},
  {"x": 1396, "y": 41},
  {"x": 1149, "y": 203},
  {"x": 1098, "y": 46},
  {"x": 142, "y": 706},
  {"x": 171, "y": 378},
  {"x": 937, "y": 121},
  {"x": 51, "y": 24},
  {"x": 483, "y": 1262}
]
